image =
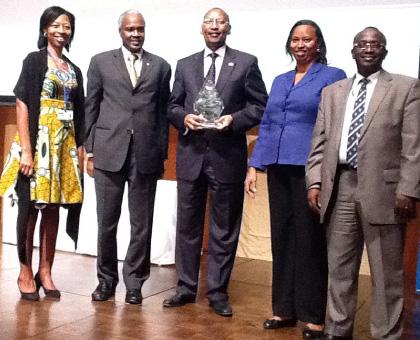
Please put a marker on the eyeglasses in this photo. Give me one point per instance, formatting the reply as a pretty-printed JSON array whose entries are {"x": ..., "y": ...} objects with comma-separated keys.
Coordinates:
[
  {"x": 374, "y": 45},
  {"x": 217, "y": 22}
]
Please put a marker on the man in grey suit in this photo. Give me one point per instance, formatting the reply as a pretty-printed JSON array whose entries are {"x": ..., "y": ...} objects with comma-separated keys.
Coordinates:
[
  {"x": 363, "y": 176},
  {"x": 213, "y": 161},
  {"x": 126, "y": 142}
]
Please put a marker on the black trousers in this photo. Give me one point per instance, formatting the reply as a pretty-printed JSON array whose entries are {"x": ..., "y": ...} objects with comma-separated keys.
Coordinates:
[
  {"x": 226, "y": 202},
  {"x": 298, "y": 248},
  {"x": 109, "y": 188}
]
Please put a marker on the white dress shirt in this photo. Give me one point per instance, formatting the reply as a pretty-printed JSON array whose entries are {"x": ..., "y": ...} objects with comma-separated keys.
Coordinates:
[
  {"x": 350, "y": 107},
  {"x": 221, "y": 51},
  {"x": 137, "y": 63}
]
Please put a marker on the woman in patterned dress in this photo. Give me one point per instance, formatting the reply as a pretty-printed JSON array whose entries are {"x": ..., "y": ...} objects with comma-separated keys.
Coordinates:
[{"x": 43, "y": 171}]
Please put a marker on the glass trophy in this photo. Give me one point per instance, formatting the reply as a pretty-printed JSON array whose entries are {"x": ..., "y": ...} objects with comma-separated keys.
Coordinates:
[{"x": 209, "y": 105}]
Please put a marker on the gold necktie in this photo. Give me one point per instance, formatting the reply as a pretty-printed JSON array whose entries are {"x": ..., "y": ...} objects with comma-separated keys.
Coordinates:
[{"x": 132, "y": 69}]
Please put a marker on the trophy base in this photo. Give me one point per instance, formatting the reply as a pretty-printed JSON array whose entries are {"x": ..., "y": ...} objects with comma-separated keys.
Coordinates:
[{"x": 211, "y": 126}]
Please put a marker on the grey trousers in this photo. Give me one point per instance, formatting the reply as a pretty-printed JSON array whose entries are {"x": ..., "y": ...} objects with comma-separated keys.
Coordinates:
[{"x": 347, "y": 232}]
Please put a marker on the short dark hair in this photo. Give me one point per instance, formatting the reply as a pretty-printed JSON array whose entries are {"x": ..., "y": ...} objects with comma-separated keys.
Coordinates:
[
  {"x": 49, "y": 15},
  {"x": 382, "y": 36},
  {"x": 322, "y": 55}
]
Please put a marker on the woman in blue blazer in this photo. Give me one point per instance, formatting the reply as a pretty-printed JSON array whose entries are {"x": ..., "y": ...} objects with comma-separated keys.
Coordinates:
[{"x": 297, "y": 239}]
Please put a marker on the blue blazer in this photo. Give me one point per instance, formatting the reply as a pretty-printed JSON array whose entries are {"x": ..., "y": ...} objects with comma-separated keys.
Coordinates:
[{"x": 289, "y": 118}]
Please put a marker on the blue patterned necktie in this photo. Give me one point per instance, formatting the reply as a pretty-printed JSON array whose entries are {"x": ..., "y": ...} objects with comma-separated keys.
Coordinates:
[
  {"x": 211, "y": 74},
  {"x": 357, "y": 120}
]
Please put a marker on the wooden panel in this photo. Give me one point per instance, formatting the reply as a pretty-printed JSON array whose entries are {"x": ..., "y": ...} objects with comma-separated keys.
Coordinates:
[
  {"x": 170, "y": 162},
  {"x": 411, "y": 252},
  {"x": 7, "y": 132}
]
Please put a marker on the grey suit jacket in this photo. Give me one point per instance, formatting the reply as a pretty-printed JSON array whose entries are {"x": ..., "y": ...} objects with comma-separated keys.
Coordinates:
[
  {"x": 389, "y": 146},
  {"x": 243, "y": 92},
  {"x": 114, "y": 109}
]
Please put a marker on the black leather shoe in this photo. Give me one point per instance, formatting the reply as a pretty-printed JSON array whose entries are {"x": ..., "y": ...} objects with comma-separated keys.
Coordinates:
[
  {"x": 50, "y": 293},
  {"x": 178, "y": 300},
  {"x": 133, "y": 297},
  {"x": 335, "y": 337},
  {"x": 309, "y": 334},
  {"x": 274, "y": 323},
  {"x": 103, "y": 292},
  {"x": 31, "y": 296},
  {"x": 221, "y": 307}
]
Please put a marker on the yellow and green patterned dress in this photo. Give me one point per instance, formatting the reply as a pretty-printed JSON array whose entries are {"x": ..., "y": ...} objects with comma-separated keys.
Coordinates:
[{"x": 56, "y": 178}]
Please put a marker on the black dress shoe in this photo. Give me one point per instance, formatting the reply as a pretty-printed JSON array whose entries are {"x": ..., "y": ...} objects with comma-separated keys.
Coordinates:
[
  {"x": 31, "y": 296},
  {"x": 274, "y": 323},
  {"x": 133, "y": 297},
  {"x": 50, "y": 293},
  {"x": 309, "y": 334},
  {"x": 336, "y": 337},
  {"x": 178, "y": 300},
  {"x": 103, "y": 291},
  {"x": 221, "y": 307}
]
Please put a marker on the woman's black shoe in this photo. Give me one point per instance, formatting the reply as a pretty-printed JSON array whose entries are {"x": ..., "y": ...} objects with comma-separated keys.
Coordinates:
[
  {"x": 51, "y": 293},
  {"x": 274, "y": 323},
  {"x": 32, "y": 296},
  {"x": 309, "y": 334}
]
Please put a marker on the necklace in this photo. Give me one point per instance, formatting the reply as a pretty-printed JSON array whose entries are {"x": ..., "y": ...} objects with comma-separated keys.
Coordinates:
[
  {"x": 56, "y": 58},
  {"x": 59, "y": 62}
]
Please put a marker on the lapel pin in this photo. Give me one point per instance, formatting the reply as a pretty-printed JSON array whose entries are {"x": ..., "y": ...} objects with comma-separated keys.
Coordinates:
[
  {"x": 148, "y": 64},
  {"x": 231, "y": 64}
]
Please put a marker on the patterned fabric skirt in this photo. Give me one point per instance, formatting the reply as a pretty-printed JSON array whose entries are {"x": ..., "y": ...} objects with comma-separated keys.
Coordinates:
[{"x": 56, "y": 178}]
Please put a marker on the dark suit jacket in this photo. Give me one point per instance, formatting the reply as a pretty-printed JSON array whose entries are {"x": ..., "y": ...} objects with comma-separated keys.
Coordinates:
[
  {"x": 114, "y": 108},
  {"x": 389, "y": 145},
  {"x": 243, "y": 92}
]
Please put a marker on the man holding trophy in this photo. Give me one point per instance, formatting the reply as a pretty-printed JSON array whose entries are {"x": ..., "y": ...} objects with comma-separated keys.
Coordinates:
[{"x": 218, "y": 95}]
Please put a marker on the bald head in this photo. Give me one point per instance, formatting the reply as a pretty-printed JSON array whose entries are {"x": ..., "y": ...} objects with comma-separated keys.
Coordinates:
[
  {"x": 221, "y": 11},
  {"x": 215, "y": 28}
]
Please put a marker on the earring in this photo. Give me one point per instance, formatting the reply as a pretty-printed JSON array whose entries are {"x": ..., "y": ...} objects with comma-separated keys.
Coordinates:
[
  {"x": 318, "y": 50},
  {"x": 45, "y": 34}
]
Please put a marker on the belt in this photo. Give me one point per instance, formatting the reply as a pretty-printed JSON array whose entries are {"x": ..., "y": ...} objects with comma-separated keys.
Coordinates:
[
  {"x": 346, "y": 167},
  {"x": 56, "y": 103}
]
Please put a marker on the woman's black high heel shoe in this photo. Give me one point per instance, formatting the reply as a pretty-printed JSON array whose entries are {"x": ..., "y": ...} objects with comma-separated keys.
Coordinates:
[
  {"x": 32, "y": 296},
  {"x": 51, "y": 293}
]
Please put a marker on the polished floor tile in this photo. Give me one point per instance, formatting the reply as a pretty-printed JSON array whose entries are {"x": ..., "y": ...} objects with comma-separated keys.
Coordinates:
[{"x": 75, "y": 316}]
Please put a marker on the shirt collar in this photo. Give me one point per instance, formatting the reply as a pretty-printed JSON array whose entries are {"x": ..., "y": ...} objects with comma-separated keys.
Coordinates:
[
  {"x": 221, "y": 51},
  {"x": 127, "y": 53},
  {"x": 372, "y": 77}
]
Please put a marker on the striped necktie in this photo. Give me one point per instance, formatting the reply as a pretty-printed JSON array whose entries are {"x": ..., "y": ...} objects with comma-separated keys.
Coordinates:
[{"x": 357, "y": 120}]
